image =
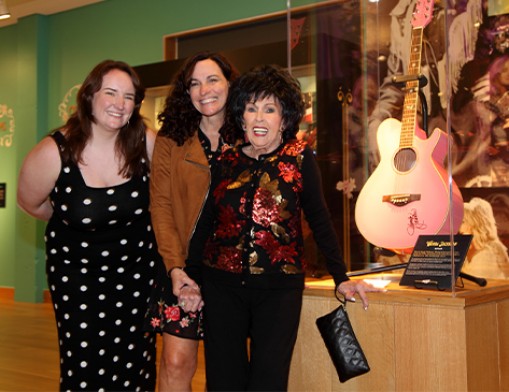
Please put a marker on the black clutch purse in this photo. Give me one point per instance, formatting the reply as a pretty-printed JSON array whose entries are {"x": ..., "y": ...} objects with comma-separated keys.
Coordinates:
[{"x": 344, "y": 348}]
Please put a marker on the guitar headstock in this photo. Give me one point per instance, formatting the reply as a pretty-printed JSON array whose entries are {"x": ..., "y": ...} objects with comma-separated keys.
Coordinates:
[{"x": 423, "y": 13}]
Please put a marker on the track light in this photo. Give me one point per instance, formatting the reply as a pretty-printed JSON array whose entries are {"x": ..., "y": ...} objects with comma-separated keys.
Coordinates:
[{"x": 4, "y": 12}]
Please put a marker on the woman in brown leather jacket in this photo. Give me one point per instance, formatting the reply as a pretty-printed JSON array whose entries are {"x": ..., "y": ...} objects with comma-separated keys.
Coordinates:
[{"x": 192, "y": 134}]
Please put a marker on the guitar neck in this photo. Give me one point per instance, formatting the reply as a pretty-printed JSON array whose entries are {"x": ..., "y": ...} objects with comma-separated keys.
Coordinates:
[{"x": 408, "y": 122}]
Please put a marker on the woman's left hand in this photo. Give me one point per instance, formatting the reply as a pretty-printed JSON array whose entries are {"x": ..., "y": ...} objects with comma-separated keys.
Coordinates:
[
  {"x": 348, "y": 289},
  {"x": 190, "y": 299}
]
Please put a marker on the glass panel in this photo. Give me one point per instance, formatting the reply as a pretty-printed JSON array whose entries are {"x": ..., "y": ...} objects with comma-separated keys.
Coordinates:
[
  {"x": 346, "y": 53},
  {"x": 328, "y": 36},
  {"x": 460, "y": 52}
]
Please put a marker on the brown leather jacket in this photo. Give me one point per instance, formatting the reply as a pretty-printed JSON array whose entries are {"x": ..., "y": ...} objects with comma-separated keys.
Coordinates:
[{"x": 179, "y": 183}]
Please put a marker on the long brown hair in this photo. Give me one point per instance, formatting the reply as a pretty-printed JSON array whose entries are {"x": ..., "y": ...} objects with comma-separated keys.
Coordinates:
[
  {"x": 180, "y": 119},
  {"x": 130, "y": 143}
]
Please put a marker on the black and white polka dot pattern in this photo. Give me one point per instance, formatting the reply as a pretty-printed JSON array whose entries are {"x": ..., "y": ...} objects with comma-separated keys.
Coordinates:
[{"x": 101, "y": 259}]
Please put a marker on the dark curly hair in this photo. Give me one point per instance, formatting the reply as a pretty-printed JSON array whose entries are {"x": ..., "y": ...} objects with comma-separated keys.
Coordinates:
[
  {"x": 130, "y": 140},
  {"x": 264, "y": 81},
  {"x": 180, "y": 119}
]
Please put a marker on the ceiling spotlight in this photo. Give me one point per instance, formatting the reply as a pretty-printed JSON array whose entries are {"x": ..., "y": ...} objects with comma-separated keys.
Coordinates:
[{"x": 4, "y": 12}]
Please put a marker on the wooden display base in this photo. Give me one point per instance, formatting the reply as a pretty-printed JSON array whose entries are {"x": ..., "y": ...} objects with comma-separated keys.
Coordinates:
[{"x": 414, "y": 340}]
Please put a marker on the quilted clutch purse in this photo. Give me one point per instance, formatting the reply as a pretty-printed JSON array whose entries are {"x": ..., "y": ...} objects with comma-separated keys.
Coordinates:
[{"x": 344, "y": 348}]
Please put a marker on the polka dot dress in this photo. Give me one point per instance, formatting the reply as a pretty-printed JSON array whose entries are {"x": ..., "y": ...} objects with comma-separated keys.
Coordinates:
[{"x": 101, "y": 263}]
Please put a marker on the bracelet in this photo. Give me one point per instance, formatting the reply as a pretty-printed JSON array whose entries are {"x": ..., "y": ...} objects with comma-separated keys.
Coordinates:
[{"x": 172, "y": 268}]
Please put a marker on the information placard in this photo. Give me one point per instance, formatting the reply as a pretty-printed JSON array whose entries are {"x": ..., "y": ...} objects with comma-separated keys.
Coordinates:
[{"x": 430, "y": 263}]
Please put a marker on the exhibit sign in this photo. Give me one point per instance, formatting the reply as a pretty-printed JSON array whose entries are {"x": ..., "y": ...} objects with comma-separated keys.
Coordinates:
[{"x": 430, "y": 265}]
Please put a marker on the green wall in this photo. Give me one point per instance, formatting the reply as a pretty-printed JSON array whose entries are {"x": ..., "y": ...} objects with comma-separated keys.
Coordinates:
[
  {"x": 8, "y": 164},
  {"x": 44, "y": 56}
]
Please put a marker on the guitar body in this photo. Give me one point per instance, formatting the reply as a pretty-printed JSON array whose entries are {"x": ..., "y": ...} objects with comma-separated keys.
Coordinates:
[{"x": 408, "y": 193}]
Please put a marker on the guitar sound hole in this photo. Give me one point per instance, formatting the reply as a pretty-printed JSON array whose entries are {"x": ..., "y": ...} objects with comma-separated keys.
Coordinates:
[{"x": 404, "y": 159}]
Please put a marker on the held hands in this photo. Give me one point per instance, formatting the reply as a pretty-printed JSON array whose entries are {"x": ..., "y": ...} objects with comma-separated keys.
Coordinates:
[
  {"x": 186, "y": 290},
  {"x": 190, "y": 299},
  {"x": 350, "y": 287}
]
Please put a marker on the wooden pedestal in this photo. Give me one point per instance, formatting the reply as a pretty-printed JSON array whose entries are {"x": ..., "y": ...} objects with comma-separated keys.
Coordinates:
[{"x": 415, "y": 340}]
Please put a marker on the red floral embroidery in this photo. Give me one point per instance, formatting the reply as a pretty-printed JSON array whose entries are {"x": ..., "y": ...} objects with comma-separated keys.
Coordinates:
[
  {"x": 295, "y": 226},
  {"x": 220, "y": 190},
  {"x": 294, "y": 149},
  {"x": 172, "y": 313},
  {"x": 265, "y": 208},
  {"x": 289, "y": 172},
  {"x": 230, "y": 259},
  {"x": 274, "y": 249},
  {"x": 228, "y": 225},
  {"x": 231, "y": 157},
  {"x": 225, "y": 147},
  {"x": 260, "y": 211},
  {"x": 242, "y": 207}
]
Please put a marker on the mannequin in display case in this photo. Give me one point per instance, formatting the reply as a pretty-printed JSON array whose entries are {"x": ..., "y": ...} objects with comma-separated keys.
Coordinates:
[{"x": 487, "y": 256}]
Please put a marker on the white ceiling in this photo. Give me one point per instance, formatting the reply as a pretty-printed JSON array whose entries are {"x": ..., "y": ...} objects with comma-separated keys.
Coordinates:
[{"x": 20, "y": 8}]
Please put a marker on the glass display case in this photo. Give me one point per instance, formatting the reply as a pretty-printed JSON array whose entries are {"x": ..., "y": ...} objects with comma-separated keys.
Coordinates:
[{"x": 407, "y": 110}]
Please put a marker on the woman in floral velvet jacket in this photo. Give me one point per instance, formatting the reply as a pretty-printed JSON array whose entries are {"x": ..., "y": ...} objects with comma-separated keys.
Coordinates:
[{"x": 250, "y": 240}]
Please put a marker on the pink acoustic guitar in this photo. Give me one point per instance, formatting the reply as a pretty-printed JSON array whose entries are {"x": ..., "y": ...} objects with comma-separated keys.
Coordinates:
[{"x": 408, "y": 193}]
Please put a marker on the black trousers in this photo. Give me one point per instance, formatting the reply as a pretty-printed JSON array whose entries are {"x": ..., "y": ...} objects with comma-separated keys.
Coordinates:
[{"x": 267, "y": 319}]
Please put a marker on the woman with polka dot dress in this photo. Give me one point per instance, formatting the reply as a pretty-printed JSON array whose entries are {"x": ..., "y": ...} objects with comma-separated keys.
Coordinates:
[{"x": 90, "y": 181}]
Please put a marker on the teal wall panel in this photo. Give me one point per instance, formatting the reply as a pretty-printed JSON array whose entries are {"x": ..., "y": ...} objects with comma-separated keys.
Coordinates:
[
  {"x": 43, "y": 57},
  {"x": 8, "y": 154}
]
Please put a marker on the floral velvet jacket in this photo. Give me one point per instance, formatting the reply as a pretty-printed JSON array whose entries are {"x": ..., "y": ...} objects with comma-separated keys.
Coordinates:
[{"x": 251, "y": 223}]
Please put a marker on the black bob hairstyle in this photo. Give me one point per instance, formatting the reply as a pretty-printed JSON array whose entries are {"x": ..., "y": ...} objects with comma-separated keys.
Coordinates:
[{"x": 265, "y": 81}]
